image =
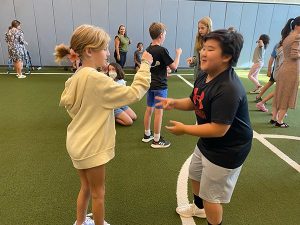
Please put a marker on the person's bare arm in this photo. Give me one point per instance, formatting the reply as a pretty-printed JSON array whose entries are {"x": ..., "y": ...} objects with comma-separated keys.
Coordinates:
[
  {"x": 175, "y": 64},
  {"x": 117, "y": 45}
]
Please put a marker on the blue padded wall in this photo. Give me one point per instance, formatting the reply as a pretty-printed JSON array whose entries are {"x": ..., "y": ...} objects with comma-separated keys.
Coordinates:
[{"x": 47, "y": 23}]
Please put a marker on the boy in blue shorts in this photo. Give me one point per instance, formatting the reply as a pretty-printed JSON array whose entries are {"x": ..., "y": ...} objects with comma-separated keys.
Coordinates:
[
  {"x": 158, "y": 86},
  {"x": 223, "y": 125}
]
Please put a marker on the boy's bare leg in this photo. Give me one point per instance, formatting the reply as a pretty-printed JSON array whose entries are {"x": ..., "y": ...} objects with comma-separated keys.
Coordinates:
[{"x": 214, "y": 212}]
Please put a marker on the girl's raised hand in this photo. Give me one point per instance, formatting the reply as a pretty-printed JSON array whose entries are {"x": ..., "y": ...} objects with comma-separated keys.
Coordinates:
[{"x": 148, "y": 57}]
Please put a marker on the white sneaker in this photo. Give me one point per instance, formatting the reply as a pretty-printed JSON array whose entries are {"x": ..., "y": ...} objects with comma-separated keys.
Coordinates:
[
  {"x": 21, "y": 76},
  {"x": 190, "y": 210},
  {"x": 91, "y": 214},
  {"x": 88, "y": 221}
]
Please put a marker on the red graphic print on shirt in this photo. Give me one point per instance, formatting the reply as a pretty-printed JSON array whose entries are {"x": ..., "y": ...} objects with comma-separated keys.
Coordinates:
[{"x": 197, "y": 99}]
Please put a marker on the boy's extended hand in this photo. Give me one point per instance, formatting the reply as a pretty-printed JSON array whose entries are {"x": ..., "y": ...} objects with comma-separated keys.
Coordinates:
[
  {"x": 177, "y": 128},
  {"x": 166, "y": 103}
]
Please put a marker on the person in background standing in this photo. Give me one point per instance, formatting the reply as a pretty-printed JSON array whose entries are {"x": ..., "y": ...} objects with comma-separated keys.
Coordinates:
[
  {"x": 204, "y": 27},
  {"x": 121, "y": 46}
]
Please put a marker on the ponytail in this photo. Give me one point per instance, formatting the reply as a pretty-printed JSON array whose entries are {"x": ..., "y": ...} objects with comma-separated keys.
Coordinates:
[{"x": 60, "y": 52}]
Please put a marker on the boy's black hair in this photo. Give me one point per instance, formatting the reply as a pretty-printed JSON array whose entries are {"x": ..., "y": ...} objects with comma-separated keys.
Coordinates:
[
  {"x": 119, "y": 70},
  {"x": 140, "y": 43},
  {"x": 266, "y": 39},
  {"x": 231, "y": 43}
]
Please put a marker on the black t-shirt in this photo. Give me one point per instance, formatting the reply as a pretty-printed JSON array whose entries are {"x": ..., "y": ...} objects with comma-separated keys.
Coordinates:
[
  {"x": 161, "y": 60},
  {"x": 223, "y": 100}
]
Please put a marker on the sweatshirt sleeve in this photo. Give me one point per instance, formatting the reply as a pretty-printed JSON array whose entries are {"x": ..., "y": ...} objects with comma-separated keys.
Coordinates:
[{"x": 114, "y": 95}]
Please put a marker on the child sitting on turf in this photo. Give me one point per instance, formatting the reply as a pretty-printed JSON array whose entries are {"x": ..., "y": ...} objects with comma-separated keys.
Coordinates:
[
  {"x": 90, "y": 97},
  {"x": 123, "y": 115},
  {"x": 223, "y": 126}
]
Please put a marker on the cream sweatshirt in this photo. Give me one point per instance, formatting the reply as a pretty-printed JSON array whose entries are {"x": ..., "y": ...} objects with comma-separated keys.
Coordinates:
[{"x": 90, "y": 97}]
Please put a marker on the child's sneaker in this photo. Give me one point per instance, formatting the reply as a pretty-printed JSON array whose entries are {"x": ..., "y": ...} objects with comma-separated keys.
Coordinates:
[
  {"x": 257, "y": 100},
  {"x": 261, "y": 106},
  {"x": 21, "y": 76},
  {"x": 190, "y": 210},
  {"x": 88, "y": 221},
  {"x": 147, "y": 138},
  {"x": 255, "y": 91},
  {"x": 161, "y": 143}
]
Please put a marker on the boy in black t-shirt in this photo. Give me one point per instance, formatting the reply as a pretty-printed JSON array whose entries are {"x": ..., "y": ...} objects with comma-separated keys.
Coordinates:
[
  {"x": 158, "y": 86},
  {"x": 220, "y": 104}
]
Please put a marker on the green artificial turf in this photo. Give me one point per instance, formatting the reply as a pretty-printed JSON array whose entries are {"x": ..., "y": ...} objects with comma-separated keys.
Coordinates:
[{"x": 39, "y": 186}]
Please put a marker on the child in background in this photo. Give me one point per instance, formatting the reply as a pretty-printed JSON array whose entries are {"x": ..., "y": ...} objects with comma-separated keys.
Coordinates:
[
  {"x": 223, "y": 126},
  {"x": 88, "y": 94},
  {"x": 158, "y": 87},
  {"x": 123, "y": 115},
  {"x": 204, "y": 27},
  {"x": 138, "y": 55},
  {"x": 277, "y": 58},
  {"x": 258, "y": 62}
]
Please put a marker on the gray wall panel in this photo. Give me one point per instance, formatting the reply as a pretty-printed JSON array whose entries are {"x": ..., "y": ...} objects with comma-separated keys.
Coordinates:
[
  {"x": 151, "y": 14},
  {"x": 7, "y": 14},
  {"x": 62, "y": 11},
  {"x": 294, "y": 11},
  {"x": 169, "y": 9},
  {"x": 247, "y": 28},
  {"x": 217, "y": 14},
  {"x": 136, "y": 27},
  {"x": 117, "y": 16},
  {"x": 46, "y": 30},
  {"x": 44, "y": 27},
  {"x": 262, "y": 26},
  {"x": 4, "y": 49},
  {"x": 99, "y": 12},
  {"x": 185, "y": 38},
  {"x": 201, "y": 10},
  {"x": 81, "y": 12},
  {"x": 278, "y": 22},
  {"x": 25, "y": 13},
  {"x": 233, "y": 15}
]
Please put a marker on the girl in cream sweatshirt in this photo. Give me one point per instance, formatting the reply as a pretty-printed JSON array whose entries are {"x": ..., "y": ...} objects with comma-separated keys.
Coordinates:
[{"x": 90, "y": 98}]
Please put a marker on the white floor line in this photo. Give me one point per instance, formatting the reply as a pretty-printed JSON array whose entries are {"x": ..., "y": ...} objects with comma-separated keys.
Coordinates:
[
  {"x": 280, "y": 136},
  {"x": 275, "y": 150},
  {"x": 33, "y": 73},
  {"x": 186, "y": 81},
  {"x": 182, "y": 190},
  {"x": 68, "y": 73}
]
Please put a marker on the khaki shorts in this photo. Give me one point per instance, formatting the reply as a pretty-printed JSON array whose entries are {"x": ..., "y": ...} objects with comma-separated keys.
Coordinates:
[{"x": 216, "y": 183}]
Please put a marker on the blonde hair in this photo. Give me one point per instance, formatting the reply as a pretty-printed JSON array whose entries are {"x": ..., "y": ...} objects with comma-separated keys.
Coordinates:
[
  {"x": 84, "y": 36},
  {"x": 206, "y": 21},
  {"x": 156, "y": 29}
]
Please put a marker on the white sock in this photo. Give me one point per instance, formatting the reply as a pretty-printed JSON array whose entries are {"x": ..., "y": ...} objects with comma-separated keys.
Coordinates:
[
  {"x": 147, "y": 132},
  {"x": 156, "y": 137}
]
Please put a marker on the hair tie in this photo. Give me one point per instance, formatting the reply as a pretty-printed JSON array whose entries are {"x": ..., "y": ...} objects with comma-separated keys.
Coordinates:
[
  {"x": 73, "y": 56},
  {"x": 291, "y": 24}
]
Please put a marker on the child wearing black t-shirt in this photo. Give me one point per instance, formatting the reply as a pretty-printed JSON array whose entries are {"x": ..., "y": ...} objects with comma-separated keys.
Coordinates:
[
  {"x": 223, "y": 125},
  {"x": 158, "y": 86}
]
